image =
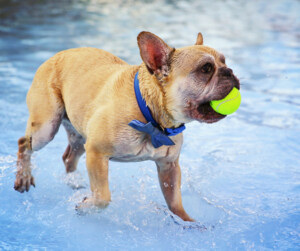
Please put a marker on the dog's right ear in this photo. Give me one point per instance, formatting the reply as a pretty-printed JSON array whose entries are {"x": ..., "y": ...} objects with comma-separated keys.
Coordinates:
[{"x": 155, "y": 53}]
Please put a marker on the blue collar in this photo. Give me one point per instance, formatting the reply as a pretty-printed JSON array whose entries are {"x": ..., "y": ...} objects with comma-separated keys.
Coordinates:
[{"x": 152, "y": 126}]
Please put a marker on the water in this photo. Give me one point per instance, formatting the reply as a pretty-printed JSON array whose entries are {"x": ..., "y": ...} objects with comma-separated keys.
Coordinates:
[{"x": 240, "y": 176}]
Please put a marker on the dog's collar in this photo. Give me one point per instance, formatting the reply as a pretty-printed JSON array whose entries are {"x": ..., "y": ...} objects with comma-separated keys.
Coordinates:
[{"x": 159, "y": 137}]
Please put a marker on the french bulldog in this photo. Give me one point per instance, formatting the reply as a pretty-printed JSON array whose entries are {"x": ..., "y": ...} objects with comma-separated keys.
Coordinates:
[{"x": 115, "y": 111}]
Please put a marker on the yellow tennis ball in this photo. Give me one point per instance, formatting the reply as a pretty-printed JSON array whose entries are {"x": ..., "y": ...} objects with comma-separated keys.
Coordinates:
[{"x": 229, "y": 104}]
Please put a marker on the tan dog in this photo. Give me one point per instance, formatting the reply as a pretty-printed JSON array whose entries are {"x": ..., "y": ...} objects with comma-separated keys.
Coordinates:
[{"x": 90, "y": 92}]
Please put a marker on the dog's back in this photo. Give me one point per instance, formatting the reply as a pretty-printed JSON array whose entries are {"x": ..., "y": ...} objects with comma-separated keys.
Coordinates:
[{"x": 73, "y": 72}]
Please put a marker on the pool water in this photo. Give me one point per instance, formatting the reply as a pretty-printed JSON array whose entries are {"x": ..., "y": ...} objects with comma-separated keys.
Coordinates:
[{"x": 240, "y": 176}]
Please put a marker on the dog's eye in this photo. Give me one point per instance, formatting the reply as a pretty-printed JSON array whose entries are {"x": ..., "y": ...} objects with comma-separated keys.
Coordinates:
[{"x": 207, "y": 68}]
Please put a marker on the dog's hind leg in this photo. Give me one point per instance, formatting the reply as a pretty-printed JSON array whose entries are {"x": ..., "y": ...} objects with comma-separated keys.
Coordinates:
[
  {"x": 75, "y": 147},
  {"x": 46, "y": 110},
  {"x": 38, "y": 134}
]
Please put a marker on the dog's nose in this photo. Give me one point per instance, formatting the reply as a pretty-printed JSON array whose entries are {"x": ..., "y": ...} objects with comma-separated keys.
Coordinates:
[{"x": 226, "y": 72}]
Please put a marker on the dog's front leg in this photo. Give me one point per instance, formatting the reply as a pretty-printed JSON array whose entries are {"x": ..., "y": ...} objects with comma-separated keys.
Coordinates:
[
  {"x": 170, "y": 182},
  {"x": 97, "y": 166}
]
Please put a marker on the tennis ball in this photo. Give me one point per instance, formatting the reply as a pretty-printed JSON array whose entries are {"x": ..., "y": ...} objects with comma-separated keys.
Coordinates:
[{"x": 229, "y": 104}]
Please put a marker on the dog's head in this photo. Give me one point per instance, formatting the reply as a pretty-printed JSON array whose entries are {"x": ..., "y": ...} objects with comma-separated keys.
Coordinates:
[{"x": 190, "y": 77}]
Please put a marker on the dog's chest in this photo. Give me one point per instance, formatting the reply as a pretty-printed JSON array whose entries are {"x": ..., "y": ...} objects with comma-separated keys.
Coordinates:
[{"x": 134, "y": 151}]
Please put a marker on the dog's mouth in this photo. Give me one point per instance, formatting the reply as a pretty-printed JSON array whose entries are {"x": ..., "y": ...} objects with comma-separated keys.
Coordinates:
[{"x": 205, "y": 113}]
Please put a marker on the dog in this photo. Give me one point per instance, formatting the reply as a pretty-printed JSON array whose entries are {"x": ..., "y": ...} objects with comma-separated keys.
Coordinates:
[{"x": 115, "y": 111}]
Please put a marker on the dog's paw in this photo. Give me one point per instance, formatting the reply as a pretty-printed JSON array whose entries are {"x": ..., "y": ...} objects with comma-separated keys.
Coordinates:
[
  {"x": 91, "y": 204},
  {"x": 23, "y": 182}
]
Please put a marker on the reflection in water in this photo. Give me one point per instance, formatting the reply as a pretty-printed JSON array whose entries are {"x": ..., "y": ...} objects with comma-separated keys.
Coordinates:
[{"x": 240, "y": 176}]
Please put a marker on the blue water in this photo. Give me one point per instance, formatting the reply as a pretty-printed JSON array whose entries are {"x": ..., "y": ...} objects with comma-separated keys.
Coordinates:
[{"x": 240, "y": 176}]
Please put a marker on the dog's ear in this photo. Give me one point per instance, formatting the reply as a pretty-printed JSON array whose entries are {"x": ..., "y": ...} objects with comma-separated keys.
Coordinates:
[
  {"x": 155, "y": 53},
  {"x": 199, "y": 39}
]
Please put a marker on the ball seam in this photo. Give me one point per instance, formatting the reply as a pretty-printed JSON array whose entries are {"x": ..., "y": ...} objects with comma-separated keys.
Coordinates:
[{"x": 217, "y": 108}]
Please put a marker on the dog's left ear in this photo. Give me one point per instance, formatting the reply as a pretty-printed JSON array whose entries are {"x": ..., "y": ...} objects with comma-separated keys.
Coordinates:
[
  {"x": 199, "y": 39},
  {"x": 155, "y": 53}
]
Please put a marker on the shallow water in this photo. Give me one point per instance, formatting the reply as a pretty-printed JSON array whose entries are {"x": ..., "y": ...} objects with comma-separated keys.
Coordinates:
[{"x": 240, "y": 176}]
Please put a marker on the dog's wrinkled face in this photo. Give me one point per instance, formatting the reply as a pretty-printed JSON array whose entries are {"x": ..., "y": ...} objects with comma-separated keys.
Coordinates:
[
  {"x": 199, "y": 75},
  {"x": 191, "y": 77}
]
